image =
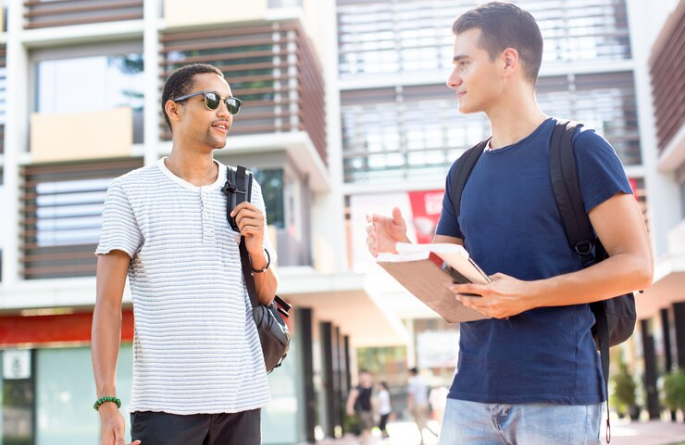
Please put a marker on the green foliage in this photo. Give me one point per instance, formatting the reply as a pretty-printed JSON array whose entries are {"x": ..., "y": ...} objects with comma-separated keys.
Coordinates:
[
  {"x": 623, "y": 394},
  {"x": 673, "y": 388}
]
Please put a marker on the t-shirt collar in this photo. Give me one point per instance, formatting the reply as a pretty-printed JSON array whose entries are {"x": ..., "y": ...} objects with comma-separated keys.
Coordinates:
[{"x": 221, "y": 177}]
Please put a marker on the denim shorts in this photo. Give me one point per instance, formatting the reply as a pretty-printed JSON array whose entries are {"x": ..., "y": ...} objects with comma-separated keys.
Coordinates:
[{"x": 524, "y": 424}]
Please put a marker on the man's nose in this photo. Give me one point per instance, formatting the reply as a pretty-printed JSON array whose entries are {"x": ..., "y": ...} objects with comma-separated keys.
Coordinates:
[
  {"x": 454, "y": 80},
  {"x": 223, "y": 111}
]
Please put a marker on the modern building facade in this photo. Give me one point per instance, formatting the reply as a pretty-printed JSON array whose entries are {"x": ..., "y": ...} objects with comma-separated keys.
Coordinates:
[
  {"x": 80, "y": 88},
  {"x": 346, "y": 112},
  {"x": 603, "y": 65}
]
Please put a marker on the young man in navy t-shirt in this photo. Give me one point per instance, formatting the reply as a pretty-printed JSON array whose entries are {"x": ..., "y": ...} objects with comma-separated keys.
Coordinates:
[{"x": 530, "y": 374}]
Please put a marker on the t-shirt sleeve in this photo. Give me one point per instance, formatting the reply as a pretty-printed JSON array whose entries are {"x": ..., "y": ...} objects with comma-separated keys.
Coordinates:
[
  {"x": 448, "y": 224},
  {"x": 601, "y": 174},
  {"x": 120, "y": 230},
  {"x": 258, "y": 200}
]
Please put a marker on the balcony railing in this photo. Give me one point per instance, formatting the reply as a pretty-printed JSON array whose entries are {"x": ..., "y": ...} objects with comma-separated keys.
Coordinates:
[
  {"x": 667, "y": 78},
  {"x": 47, "y": 14},
  {"x": 60, "y": 216},
  {"x": 272, "y": 67}
]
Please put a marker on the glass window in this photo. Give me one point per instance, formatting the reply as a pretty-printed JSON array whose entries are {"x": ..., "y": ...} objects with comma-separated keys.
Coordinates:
[
  {"x": 61, "y": 219},
  {"x": 86, "y": 84},
  {"x": 282, "y": 419},
  {"x": 271, "y": 182},
  {"x": 418, "y": 132},
  {"x": 419, "y": 32},
  {"x": 65, "y": 393},
  {"x": 69, "y": 212}
]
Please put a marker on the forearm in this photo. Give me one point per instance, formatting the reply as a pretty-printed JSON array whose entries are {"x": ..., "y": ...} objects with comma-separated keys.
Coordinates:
[
  {"x": 619, "y": 274},
  {"x": 265, "y": 282},
  {"x": 105, "y": 343}
]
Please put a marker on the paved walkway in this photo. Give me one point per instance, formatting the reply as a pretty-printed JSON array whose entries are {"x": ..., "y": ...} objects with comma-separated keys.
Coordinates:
[{"x": 623, "y": 433}]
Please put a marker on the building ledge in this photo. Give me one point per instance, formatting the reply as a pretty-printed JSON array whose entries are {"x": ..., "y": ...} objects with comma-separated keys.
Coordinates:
[
  {"x": 296, "y": 144},
  {"x": 87, "y": 33}
]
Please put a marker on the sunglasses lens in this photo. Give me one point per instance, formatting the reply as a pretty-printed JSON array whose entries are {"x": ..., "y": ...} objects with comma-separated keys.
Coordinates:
[
  {"x": 212, "y": 101},
  {"x": 233, "y": 105}
]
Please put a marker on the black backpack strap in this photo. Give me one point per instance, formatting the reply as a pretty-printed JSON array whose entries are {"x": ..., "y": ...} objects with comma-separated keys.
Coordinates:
[
  {"x": 238, "y": 189},
  {"x": 565, "y": 180},
  {"x": 578, "y": 229},
  {"x": 464, "y": 168}
]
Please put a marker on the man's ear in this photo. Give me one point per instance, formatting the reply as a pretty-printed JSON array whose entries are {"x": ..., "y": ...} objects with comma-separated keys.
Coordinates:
[
  {"x": 510, "y": 59},
  {"x": 173, "y": 110}
]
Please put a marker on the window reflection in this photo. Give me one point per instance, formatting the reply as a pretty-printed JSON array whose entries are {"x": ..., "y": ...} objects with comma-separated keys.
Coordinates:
[
  {"x": 87, "y": 84},
  {"x": 418, "y": 132},
  {"x": 69, "y": 212},
  {"x": 271, "y": 182},
  {"x": 419, "y": 32}
]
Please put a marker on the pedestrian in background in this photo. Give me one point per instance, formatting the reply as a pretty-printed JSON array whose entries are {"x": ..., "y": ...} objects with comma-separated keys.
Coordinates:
[
  {"x": 360, "y": 404},
  {"x": 418, "y": 401},
  {"x": 383, "y": 403}
]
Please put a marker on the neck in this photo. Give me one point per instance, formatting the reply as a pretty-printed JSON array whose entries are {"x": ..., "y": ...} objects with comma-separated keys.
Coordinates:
[
  {"x": 514, "y": 117},
  {"x": 195, "y": 167}
]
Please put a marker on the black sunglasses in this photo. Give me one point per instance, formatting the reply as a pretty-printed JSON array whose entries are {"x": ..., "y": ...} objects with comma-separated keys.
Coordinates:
[{"x": 212, "y": 99}]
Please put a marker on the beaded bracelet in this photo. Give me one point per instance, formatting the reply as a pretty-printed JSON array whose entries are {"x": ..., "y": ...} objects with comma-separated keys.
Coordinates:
[{"x": 106, "y": 399}]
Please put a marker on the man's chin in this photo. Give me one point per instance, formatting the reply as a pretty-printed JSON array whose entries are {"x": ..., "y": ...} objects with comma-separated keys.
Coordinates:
[
  {"x": 216, "y": 143},
  {"x": 465, "y": 109}
]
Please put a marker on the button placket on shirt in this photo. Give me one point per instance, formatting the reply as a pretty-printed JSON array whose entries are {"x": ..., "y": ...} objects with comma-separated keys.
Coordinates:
[{"x": 207, "y": 229}]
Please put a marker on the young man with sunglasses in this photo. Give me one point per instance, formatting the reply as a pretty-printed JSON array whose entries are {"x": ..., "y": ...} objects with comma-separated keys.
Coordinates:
[
  {"x": 530, "y": 374},
  {"x": 199, "y": 376}
]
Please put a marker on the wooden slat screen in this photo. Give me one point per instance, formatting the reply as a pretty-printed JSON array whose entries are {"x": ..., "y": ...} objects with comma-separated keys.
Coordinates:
[
  {"x": 271, "y": 67},
  {"x": 60, "y": 215},
  {"x": 46, "y": 14},
  {"x": 667, "y": 79},
  {"x": 377, "y": 37},
  {"x": 642, "y": 197},
  {"x": 407, "y": 133},
  {"x": 3, "y": 95}
]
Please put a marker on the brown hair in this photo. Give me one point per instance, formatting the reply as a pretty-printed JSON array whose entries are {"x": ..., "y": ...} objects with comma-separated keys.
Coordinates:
[{"x": 504, "y": 25}]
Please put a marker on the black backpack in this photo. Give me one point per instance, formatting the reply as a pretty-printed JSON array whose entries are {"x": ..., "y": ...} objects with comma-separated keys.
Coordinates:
[
  {"x": 616, "y": 317},
  {"x": 274, "y": 335}
]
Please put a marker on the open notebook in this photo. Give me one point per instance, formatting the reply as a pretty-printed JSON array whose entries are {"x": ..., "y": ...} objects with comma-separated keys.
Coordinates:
[{"x": 418, "y": 267}]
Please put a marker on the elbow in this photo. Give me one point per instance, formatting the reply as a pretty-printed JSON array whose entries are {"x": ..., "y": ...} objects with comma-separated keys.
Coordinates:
[{"x": 644, "y": 273}]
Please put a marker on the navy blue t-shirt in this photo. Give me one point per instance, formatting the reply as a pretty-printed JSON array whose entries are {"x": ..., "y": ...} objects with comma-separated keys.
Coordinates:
[{"x": 510, "y": 223}]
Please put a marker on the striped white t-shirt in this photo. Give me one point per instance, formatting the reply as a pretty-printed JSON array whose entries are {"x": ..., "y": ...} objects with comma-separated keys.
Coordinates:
[{"x": 195, "y": 347}]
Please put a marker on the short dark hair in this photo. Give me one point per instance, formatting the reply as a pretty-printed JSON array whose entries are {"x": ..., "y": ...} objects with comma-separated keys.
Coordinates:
[
  {"x": 504, "y": 25},
  {"x": 181, "y": 81},
  {"x": 414, "y": 371}
]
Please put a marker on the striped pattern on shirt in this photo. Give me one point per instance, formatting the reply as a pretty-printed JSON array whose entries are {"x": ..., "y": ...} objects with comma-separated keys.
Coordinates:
[{"x": 195, "y": 348}]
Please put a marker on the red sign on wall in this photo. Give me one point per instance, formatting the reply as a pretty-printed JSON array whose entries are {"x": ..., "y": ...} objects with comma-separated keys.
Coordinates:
[{"x": 426, "y": 211}]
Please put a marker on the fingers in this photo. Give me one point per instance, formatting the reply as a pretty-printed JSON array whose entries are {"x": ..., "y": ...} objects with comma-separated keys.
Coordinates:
[
  {"x": 245, "y": 205},
  {"x": 135, "y": 442},
  {"x": 371, "y": 245},
  {"x": 375, "y": 218},
  {"x": 397, "y": 216},
  {"x": 252, "y": 216},
  {"x": 250, "y": 228},
  {"x": 470, "y": 288}
]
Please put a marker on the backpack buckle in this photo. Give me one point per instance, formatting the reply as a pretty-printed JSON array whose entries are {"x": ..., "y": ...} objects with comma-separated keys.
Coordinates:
[
  {"x": 585, "y": 251},
  {"x": 583, "y": 248}
]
